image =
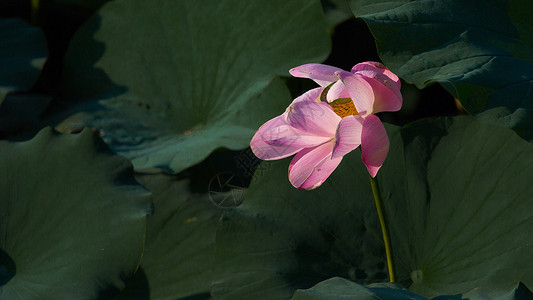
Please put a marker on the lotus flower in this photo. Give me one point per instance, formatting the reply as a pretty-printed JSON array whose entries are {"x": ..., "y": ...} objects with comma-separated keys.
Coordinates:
[{"x": 328, "y": 122}]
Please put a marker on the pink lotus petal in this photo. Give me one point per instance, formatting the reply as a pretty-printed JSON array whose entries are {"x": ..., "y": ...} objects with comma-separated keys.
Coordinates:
[
  {"x": 312, "y": 166},
  {"x": 378, "y": 68},
  {"x": 263, "y": 150},
  {"x": 374, "y": 144},
  {"x": 321, "y": 74},
  {"x": 321, "y": 172},
  {"x": 348, "y": 136},
  {"x": 314, "y": 118},
  {"x": 286, "y": 135},
  {"x": 360, "y": 91},
  {"x": 311, "y": 95},
  {"x": 387, "y": 95},
  {"x": 336, "y": 91}
]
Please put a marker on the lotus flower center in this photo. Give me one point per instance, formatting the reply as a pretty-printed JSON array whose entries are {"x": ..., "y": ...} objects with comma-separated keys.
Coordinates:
[{"x": 344, "y": 107}]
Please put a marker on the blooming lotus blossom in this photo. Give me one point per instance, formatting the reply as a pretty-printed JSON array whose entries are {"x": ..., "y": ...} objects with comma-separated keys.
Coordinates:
[{"x": 328, "y": 122}]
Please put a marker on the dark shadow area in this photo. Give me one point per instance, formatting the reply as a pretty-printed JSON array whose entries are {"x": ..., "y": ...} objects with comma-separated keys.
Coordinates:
[
  {"x": 432, "y": 101},
  {"x": 203, "y": 296},
  {"x": 20, "y": 115},
  {"x": 21, "y": 55},
  {"x": 80, "y": 79},
  {"x": 522, "y": 292},
  {"x": 450, "y": 297},
  {"x": 68, "y": 80},
  {"x": 15, "y": 9},
  {"x": 136, "y": 287},
  {"x": 242, "y": 164},
  {"x": 8, "y": 269},
  {"x": 316, "y": 264},
  {"x": 108, "y": 293},
  {"x": 352, "y": 43},
  {"x": 59, "y": 23}
]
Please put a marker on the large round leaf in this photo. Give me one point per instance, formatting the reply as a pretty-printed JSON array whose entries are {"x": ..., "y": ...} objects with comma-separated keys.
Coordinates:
[
  {"x": 180, "y": 242},
  {"x": 72, "y": 218},
  {"x": 281, "y": 239},
  {"x": 480, "y": 51},
  {"x": 23, "y": 52},
  {"x": 457, "y": 196},
  {"x": 461, "y": 211},
  {"x": 177, "y": 79}
]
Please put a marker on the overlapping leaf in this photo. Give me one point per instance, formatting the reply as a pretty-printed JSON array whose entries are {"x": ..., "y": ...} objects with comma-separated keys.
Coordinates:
[
  {"x": 72, "y": 218},
  {"x": 169, "y": 81},
  {"x": 180, "y": 239},
  {"x": 339, "y": 288},
  {"x": 281, "y": 239},
  {"x": 459, "y": 201},
  {"x": 480, "y": 51},
  {"x": 457, "y": 197},
  {"x": 22, "y": 55}
]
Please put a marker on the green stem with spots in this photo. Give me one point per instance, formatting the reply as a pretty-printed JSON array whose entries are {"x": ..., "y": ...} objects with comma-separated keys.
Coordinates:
[{"x": 384, "y": 230}]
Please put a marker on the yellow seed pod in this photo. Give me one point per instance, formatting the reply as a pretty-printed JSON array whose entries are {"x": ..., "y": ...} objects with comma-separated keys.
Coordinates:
[{"x": 344, "y": 107}]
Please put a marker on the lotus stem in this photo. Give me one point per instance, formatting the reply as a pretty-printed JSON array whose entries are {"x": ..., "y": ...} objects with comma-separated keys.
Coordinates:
[{"x": 384, "y": 230}]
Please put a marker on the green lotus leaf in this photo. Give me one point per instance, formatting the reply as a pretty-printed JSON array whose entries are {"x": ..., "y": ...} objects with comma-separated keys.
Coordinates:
[
  {"x": 336, "y": 12},
  {"x": 342, "y": 289},
  {"x": 169, "y": 81},
  {"x": 510, "y": 291},
  {"x": 22, "y": 55},
  {"x": 281, "y": 239},
  {"x": 339, "y": 288},
  {"x": 457, "y": 195},
  {"x": 72, "y": 218},
  {"x": 480, "y": 51},
  {"x": 180, "y": 242}
]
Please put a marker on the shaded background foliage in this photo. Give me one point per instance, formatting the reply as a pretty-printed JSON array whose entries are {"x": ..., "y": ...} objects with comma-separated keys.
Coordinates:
[
  {"x": 455, "y": 183},
  {"x": 487, "y": 65},
  {"x": 351, "y": 38}
]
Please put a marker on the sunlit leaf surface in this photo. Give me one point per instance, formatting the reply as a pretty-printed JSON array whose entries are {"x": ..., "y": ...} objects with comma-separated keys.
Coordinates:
[{"x": 170, "y": 81}]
